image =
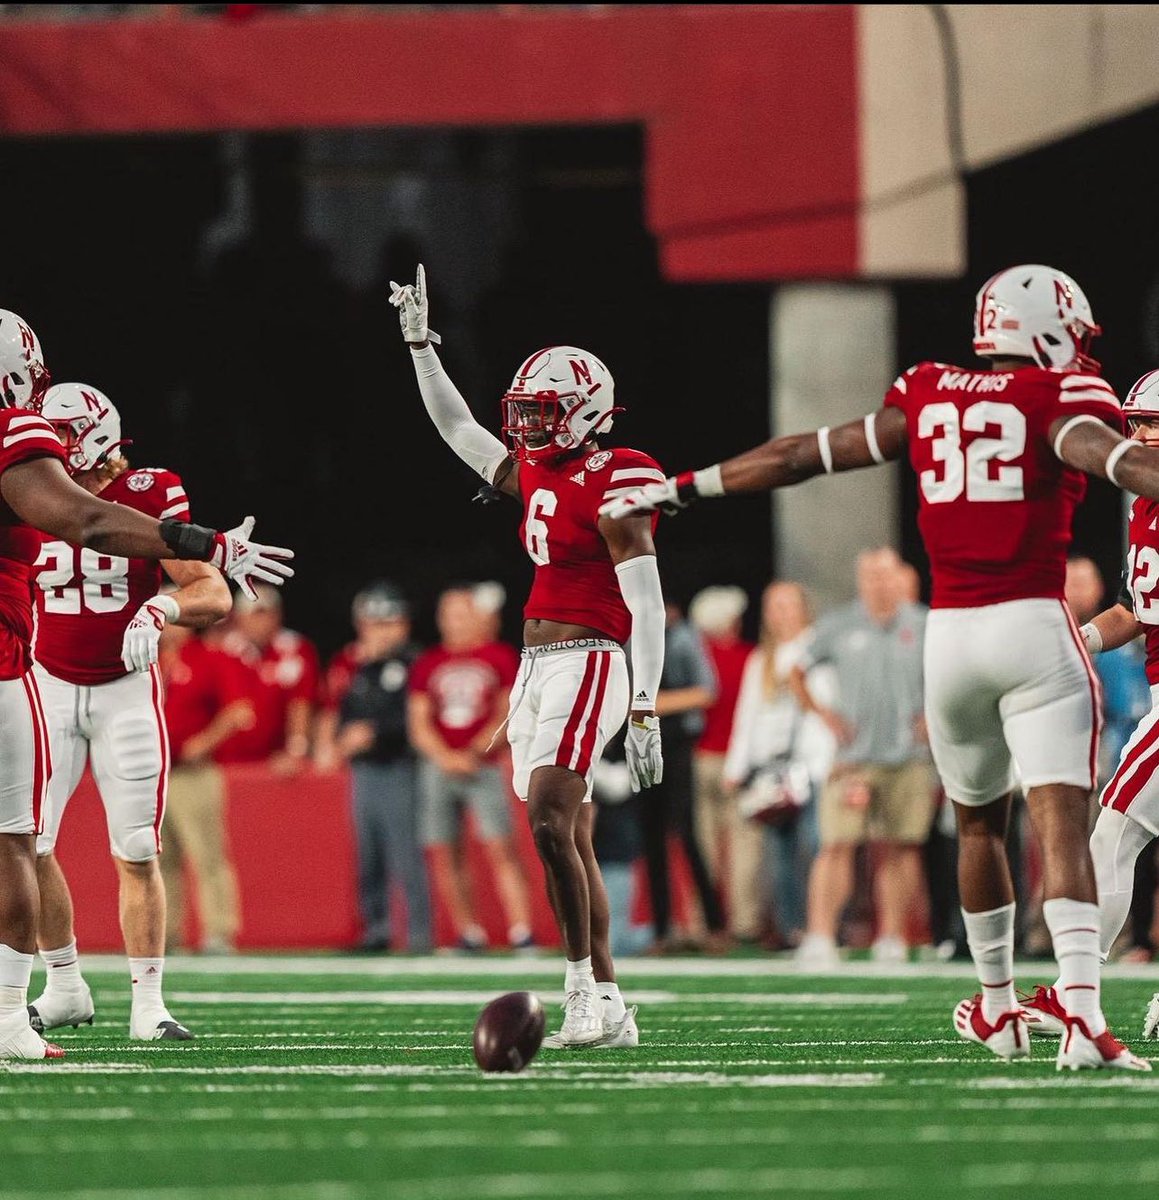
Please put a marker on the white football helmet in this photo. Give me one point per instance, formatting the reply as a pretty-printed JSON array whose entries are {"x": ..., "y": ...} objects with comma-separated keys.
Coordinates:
[
  {"x": 1142, "y": 400},
  {"x": 87, "y": 423},
  {"x": 1035, "y": 312},
  {"x": 23, "y": 376},
  {"x": 559, "y": 399}
]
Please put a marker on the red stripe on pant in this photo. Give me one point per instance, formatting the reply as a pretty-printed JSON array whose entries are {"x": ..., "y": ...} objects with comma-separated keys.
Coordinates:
[
  {"x": 41, "y": 757},
  {"x": 1095, "y": 689},
  {"x": 567, "y": 742},
  {"x": 1119, "y": 794},
  {"x": 163, "y": 737},
  {"x": 588, "y": 741}
]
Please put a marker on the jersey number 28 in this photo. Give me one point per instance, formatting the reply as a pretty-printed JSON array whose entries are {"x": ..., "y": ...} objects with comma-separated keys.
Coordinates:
[
  {"x": 967, "y": 469},
  {"x": 103, "y": 580}
]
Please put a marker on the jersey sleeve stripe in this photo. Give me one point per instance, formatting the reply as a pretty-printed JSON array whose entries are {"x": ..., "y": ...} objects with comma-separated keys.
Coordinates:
[
  {"x": 650, "y": 474},
  {"x": 1090, "y": 398},
  {"x": 43, "y": 435},
  {"x": 27, "y": 419},
  {"x": 1074, "y": 381},
  {"x": 174, "y": 509},
  {"x": 174, "y": 492}
]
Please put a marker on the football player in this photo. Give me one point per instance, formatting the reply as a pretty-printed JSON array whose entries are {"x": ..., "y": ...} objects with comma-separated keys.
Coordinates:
[
  {"x": 1000, "y": 455},
  {"x": 596, "y": 582},
  {"x": 98, "y": 622},
  {"x": 1129, "y": 817},
  {"x": 37, "y": 493}
]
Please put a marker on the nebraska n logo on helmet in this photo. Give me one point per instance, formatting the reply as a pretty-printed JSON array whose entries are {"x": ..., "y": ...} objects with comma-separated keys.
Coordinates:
[
  {"x": 23, "y": 376},
  {"x": 86, "y": 422},
  {"x": 1035, "y": 312},
  {"x": 560, "y": 399}
]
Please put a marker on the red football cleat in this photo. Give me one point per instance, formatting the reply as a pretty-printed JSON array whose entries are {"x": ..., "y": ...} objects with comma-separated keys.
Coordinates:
[
  {"x": 1080, "y": 1048},
  {"x": 1008, "y": 1037},
  {"x": 1044, "y": 1012}
]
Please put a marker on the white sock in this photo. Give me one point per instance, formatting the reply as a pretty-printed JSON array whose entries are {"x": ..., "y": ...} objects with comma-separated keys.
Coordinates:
[
  {"x": 15, "y": 975},
  {"x": 518, "y": 933},
  {"x": 146, "y": 976},
  {"x": 613, "y": 1002},
  {"x": 579, "y": 976},
  {"x": 1074, "y": 930},
  {"x": 990, "y": 936},
  {"x": 62, "y": 969},
  {"x": 1115, "y": 845}
]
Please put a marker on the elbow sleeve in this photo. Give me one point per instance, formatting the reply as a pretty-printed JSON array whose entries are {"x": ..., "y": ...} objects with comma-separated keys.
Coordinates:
[
  {"x": 640, "y": 586},
  {"x": 482, "y": 451}
]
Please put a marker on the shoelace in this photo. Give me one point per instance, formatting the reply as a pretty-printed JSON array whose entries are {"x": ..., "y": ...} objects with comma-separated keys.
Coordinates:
[{"x": 580, "y": 1004}]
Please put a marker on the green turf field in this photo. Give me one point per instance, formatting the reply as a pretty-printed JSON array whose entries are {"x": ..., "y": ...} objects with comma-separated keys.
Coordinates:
[{"x": 343, "y": 1078}]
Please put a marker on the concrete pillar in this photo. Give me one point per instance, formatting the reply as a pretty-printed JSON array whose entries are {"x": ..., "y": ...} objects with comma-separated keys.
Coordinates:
[{"x": 831, "y": 348}]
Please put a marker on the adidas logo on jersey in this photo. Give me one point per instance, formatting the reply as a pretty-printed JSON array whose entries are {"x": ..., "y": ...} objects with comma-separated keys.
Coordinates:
[{"x": 578, "y": 477}]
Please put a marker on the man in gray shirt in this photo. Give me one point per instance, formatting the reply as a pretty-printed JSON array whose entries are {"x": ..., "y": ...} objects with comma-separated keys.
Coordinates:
[{"x": 882, "y": 786}]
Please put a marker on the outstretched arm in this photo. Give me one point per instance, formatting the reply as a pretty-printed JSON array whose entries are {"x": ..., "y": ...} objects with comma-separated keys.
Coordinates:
[
  {"x": 1090, "y": 445},
  {"x": 481, "y": 450},
  {"x": 1112, "y": 628},
  {"x": 877, "y": 438}
]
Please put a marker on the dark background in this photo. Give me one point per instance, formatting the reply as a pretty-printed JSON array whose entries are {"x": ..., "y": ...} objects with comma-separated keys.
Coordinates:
[{"x": 273, "y": 378}]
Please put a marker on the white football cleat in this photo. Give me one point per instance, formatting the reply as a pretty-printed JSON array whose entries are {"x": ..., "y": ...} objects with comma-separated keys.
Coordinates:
[
  {"x": 157, "y": 1026},
  {"x": 71, "y": 1006},
  {"x": 817, "y": 952},
  {"x": 1151, "y": 1020},
  {"x": 1044, "y": 1013},
  {"x": 1079, "y": 1049},
  {"x": 19, "y": 1040},
  {"x": 621, "y": 1034},
  {"x": 1008, "y": 1037},
  {"x": 889, "y": 950},
  {"x": 583, "y": 1021}
]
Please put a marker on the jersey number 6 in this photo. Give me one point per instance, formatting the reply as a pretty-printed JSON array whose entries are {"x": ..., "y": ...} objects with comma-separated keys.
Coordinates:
[
  {"x": 968, "y": 470},
  {"x": 542, "y": 504}
]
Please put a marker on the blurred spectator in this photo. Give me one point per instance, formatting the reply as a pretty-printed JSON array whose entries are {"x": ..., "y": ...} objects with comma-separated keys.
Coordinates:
[
  {"x": 283, "y": 672},
  {"x": 687, "y": 688},
  {"x": 732, "y": 847},
  {"x": 367, "y": 609},
  {"x": 458, "y": 706},
  {"x": 775, "y": 742},
  {"x": 882, "y": 786},
  {"x": 205, "y": 702},
  {"x": 618, "y": 842},
  {"x": 372, "y": 736}
]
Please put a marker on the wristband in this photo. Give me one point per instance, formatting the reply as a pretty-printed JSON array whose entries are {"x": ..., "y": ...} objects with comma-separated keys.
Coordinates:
[
  {"x": 1113, "y": 459},
  {"x": 166, "y": 604},
  {"x": 825, "y": 449},
  {"x": 709, "y": 482},
  {"x": 189, "y": 541},
  {"x": 1092, "y": 637},
  {"x": 871, "y": 439}
]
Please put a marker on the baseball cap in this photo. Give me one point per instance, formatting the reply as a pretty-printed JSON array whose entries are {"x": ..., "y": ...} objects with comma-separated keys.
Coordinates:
[{"x": 380, "y": 601}]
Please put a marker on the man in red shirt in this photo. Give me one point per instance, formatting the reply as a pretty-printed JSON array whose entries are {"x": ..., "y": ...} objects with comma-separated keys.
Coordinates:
[
  {"x": 283, "y": 671},
  {"x": 206, "y": 702},
  {"x": 1001, "y": 455},
  {"x": 458, "y": 702},
  {"x": 724, "y": 835}
]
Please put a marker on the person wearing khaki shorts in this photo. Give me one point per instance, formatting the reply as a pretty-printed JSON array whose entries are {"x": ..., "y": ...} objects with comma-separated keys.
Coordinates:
[{"x": 882, "y": 786}]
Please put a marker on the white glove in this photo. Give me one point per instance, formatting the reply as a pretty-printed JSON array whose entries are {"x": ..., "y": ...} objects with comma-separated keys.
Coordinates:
[
  {"x": 243, "y": 561},
  {"x": 642, "y": 749},
  {"x": 139, "y": 645},
  {"x": 668, "y": 497},
  {"x": 412, "y": 304}
]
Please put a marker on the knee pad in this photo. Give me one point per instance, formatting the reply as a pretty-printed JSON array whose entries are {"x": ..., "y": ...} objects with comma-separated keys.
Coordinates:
[{"x": 138, "y": 844}]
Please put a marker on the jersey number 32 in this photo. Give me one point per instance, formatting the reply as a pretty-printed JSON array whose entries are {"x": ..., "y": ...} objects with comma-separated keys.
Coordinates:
[{"x": 971, "y": 469}]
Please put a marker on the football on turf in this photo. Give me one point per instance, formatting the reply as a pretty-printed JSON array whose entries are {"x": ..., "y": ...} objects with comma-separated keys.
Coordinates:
[{"x": 508, "y": 1032}]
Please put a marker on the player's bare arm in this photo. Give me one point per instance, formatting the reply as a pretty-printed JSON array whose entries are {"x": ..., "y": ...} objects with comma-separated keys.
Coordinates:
[
  {"x": 1112, "y": 628},
  {"x": 1086, "y": 443},
  {"x": 202, "y": 596},
  {"x": 41, "y": 493},
  {"x": 876, "y": 438}
]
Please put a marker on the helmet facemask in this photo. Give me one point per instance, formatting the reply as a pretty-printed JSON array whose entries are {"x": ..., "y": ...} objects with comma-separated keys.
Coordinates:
[{"x": 539, "y": 426}]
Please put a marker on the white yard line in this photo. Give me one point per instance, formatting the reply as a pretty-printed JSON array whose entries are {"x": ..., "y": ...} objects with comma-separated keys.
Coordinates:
[
  {"x": 438, "y": 966},
  {"x": 450, "y": 996}
]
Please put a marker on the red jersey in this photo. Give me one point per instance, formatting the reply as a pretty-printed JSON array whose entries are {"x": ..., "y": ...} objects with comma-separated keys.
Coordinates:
[
  {"x": 995, "y": 501},
  {"x": 340, "y": 672},
  {"x": 284, "y": 671},
  {"x": 85, "y": 600},
  {"x": 463, "y": 686},
  {"x": 1141, "y": 579},
  {"x": 575, "y": 581},
  {"x": 23, "y": 435},
  {"x": 199, "y": 683},
  {"x": 728, "y": 659}
]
